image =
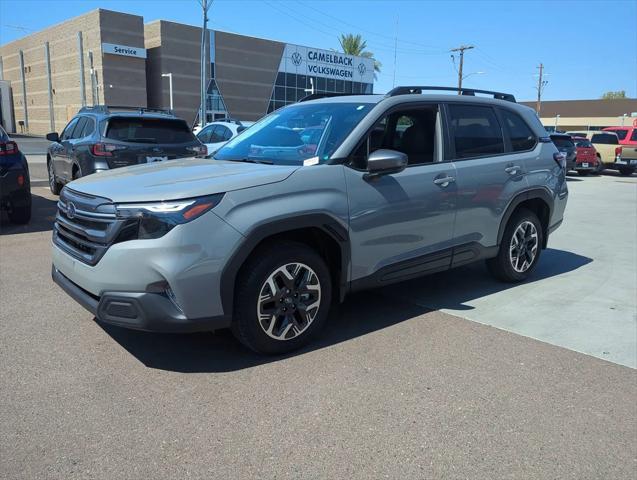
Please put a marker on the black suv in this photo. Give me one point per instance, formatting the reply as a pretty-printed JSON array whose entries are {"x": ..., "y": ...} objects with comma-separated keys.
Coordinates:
[
  {"x": 15, "y": 184},
  {"x": 103, "y": 137}
]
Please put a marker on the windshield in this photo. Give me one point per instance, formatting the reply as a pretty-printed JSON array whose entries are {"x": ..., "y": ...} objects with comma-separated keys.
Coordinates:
[{"x": 296, "y": 134}]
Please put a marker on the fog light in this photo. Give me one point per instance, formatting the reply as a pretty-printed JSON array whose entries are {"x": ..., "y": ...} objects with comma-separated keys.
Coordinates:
[{"x": 20, "y": 180}]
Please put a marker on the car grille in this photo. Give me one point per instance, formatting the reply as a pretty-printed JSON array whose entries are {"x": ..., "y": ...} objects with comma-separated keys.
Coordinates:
[{"x": 85, "y": 226}]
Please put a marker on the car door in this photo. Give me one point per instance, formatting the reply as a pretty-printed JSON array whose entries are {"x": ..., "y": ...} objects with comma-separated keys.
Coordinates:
[
  {"x": 77, "y": 134},
  {"x": 60, "y": 150},
  {"x": 401, "y": 224},
  {"x": 488, "y": 172}
]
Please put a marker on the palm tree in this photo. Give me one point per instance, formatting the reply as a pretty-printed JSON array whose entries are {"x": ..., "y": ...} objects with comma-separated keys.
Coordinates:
[{"x": 355, "y": 45}]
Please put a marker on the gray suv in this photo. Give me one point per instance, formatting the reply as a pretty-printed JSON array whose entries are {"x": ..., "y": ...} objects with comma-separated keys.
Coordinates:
[{"x": 394, "y": 187}]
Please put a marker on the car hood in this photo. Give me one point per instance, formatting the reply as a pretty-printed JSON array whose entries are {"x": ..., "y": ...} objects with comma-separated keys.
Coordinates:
[{"x": 175, "y": 179}]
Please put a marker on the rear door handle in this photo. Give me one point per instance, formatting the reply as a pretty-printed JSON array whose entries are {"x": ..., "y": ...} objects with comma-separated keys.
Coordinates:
[
  {"x": 444, "y": 181},
  {"x": 512, "y": 169}
]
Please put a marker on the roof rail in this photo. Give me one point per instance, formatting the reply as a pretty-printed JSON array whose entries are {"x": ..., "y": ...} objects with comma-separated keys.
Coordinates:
[
  {"x": 463, "y": 91},
  {"x": 316, "y": 96},
  {"x": 107, "y": 109}
]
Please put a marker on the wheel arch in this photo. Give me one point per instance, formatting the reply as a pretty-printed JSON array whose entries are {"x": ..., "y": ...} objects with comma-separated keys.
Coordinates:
[
  {"x": 319, "y": 231},
  {"x": 539, "y": 201}
]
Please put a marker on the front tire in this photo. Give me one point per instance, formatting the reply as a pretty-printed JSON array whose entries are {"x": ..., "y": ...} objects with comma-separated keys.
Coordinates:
[
  {"x": 282, "y": 298},
  {"x": 20, "y": 215},
  {"x": 520, "y": 248},
  {"x": 626, "y": 172}
]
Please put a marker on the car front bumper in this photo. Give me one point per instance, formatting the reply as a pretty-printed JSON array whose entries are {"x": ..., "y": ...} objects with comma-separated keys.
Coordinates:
[{"x": 153, "y": 312}]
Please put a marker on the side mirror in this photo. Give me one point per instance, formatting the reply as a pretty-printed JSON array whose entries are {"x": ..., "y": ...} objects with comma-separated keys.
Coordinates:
[
  {"x": 53, "y": 137},
  {"x": 383, "y": 162}
]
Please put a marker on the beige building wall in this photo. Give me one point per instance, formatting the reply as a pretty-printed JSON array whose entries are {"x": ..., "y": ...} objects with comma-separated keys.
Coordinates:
[
  {"x": 123, "y": 84},
  {"x": 174, "y": 48}
]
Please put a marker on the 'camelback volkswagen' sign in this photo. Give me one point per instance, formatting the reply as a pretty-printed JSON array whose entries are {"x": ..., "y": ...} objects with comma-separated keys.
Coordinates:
[
  {"x": 324, "y": 63},
  {"x": 123, "y": 50}
]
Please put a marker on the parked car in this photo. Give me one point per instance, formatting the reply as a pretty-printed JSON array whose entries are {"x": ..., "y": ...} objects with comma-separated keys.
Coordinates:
[
  {"x": 587, "y": 161},
  {"x": 101, "y": 138},
  {"x": 198, "y": 245},
  {"x": 15, "y": 183},
  {"x": 565, "y": 144},
  {"x": 626, "y": 135},
  {"x": 216, "y": 134},
  {"x": 610, "y": 152}
]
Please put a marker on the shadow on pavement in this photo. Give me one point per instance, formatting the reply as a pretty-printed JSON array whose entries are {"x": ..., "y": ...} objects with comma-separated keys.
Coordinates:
[
  {"x": 455, "y": 288},
  {"x": 361, "y": 314},
  {"x": 42, "y": 217}
]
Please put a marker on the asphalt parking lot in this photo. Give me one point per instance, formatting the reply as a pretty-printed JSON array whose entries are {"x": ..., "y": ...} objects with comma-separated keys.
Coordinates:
[{"x": 451, "y": 376}]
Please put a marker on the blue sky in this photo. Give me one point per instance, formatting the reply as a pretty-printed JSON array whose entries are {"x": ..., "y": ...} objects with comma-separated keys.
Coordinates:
[{"x": 587, "y": 47}]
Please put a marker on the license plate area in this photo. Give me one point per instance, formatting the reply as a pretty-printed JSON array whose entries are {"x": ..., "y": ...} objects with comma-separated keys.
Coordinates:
[{"x": 156, "y": 159}]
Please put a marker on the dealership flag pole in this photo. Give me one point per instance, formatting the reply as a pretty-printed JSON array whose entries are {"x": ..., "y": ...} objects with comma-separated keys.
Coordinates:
[{"x": 205, "y": 6}]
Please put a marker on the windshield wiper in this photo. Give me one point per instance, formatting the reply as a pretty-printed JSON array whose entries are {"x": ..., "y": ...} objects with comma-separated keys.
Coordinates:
[{"x": 252, "y": 160}]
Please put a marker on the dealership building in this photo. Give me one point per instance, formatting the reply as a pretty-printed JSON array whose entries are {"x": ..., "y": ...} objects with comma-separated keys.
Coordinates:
[{"x": 113, "y": 58}]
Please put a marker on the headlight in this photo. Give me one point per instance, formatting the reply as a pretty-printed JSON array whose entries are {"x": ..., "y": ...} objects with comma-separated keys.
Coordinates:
[{"x": 156, "y": 219}]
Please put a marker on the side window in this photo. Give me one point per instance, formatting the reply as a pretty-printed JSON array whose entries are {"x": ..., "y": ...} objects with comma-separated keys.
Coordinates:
[
  {"x": 79, "y": 128},
  {"x": 476, "y": 131},
  {"x": 412, "y": 132},
  {"x": 89, "y": 128},
  {"x": 605, "y": 139},
  {"x": 227, "y": 133},
  {"x": 217, "y": 134},
  {"x": 68, "y": 131},
  {"x": 204, "y": 135},
  {"x": 521, "y": 136},
  {"x": 633, "y": 136}
]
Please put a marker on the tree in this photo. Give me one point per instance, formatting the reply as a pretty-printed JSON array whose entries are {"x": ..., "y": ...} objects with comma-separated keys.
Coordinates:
[
  {"x": 355, "y": 45},
  {"x": 614, "y": 95}
]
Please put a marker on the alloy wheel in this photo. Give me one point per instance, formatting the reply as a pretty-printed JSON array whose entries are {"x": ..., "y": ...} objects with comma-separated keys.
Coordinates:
[
  {"x": 289, "y": 301},
  {"x": 523, "y": 248}
]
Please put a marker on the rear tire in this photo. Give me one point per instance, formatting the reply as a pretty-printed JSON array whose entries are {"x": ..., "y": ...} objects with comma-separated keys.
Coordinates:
[
  {"x": 282, "y": 298},
  {"x": 54, "y": 185},
  {"x": 626, "y": 172},
  {"x": 583, "y": 173},
  {"x": 520, "y": 248}
]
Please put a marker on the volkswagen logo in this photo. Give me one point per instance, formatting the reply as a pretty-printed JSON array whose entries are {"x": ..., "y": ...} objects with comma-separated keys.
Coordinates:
[
  {"x": 297, "y": 58},
  {"x": 70, "y": 210},
  {"x": 362, "y": 69}
]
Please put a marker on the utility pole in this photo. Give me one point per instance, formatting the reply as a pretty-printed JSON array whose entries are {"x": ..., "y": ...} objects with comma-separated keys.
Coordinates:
[
  {"x": 541, "y": 83},
  {"x": 461, "y": 49},
  {"x": 205, "y": 6}
]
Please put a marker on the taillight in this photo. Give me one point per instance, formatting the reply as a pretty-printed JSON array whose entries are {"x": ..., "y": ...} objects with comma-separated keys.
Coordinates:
[
  {"x": 560, "y": 159},
  {"x": 8, "y": 148},
  {"x": 618, "y": 152},
  {"x": 20, "y": 180},
  {"x": 105, "y": 149}
]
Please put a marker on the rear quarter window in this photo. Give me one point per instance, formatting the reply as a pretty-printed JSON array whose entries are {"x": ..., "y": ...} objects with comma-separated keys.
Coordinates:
[
  {"x": 149, "y": 130},
  {"x": 521, "y": 136},
  {"x": 621, "y": 133}
]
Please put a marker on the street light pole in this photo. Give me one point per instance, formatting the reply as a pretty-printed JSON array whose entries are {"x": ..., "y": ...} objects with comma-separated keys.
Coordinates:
[
  {"x": 557, "y": 118},
  {"x": 170, "y": 86}
]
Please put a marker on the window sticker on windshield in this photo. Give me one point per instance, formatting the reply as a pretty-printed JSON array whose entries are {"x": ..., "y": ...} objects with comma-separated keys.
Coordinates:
[
  {"x": 360, "y": 107},
  {"x": 310, "y": 161}
]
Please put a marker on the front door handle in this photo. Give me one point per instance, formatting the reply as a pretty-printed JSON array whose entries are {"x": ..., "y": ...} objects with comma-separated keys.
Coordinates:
[
  {"x": 444, "y": 181},
  {"x": 512, "y": 169}
]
